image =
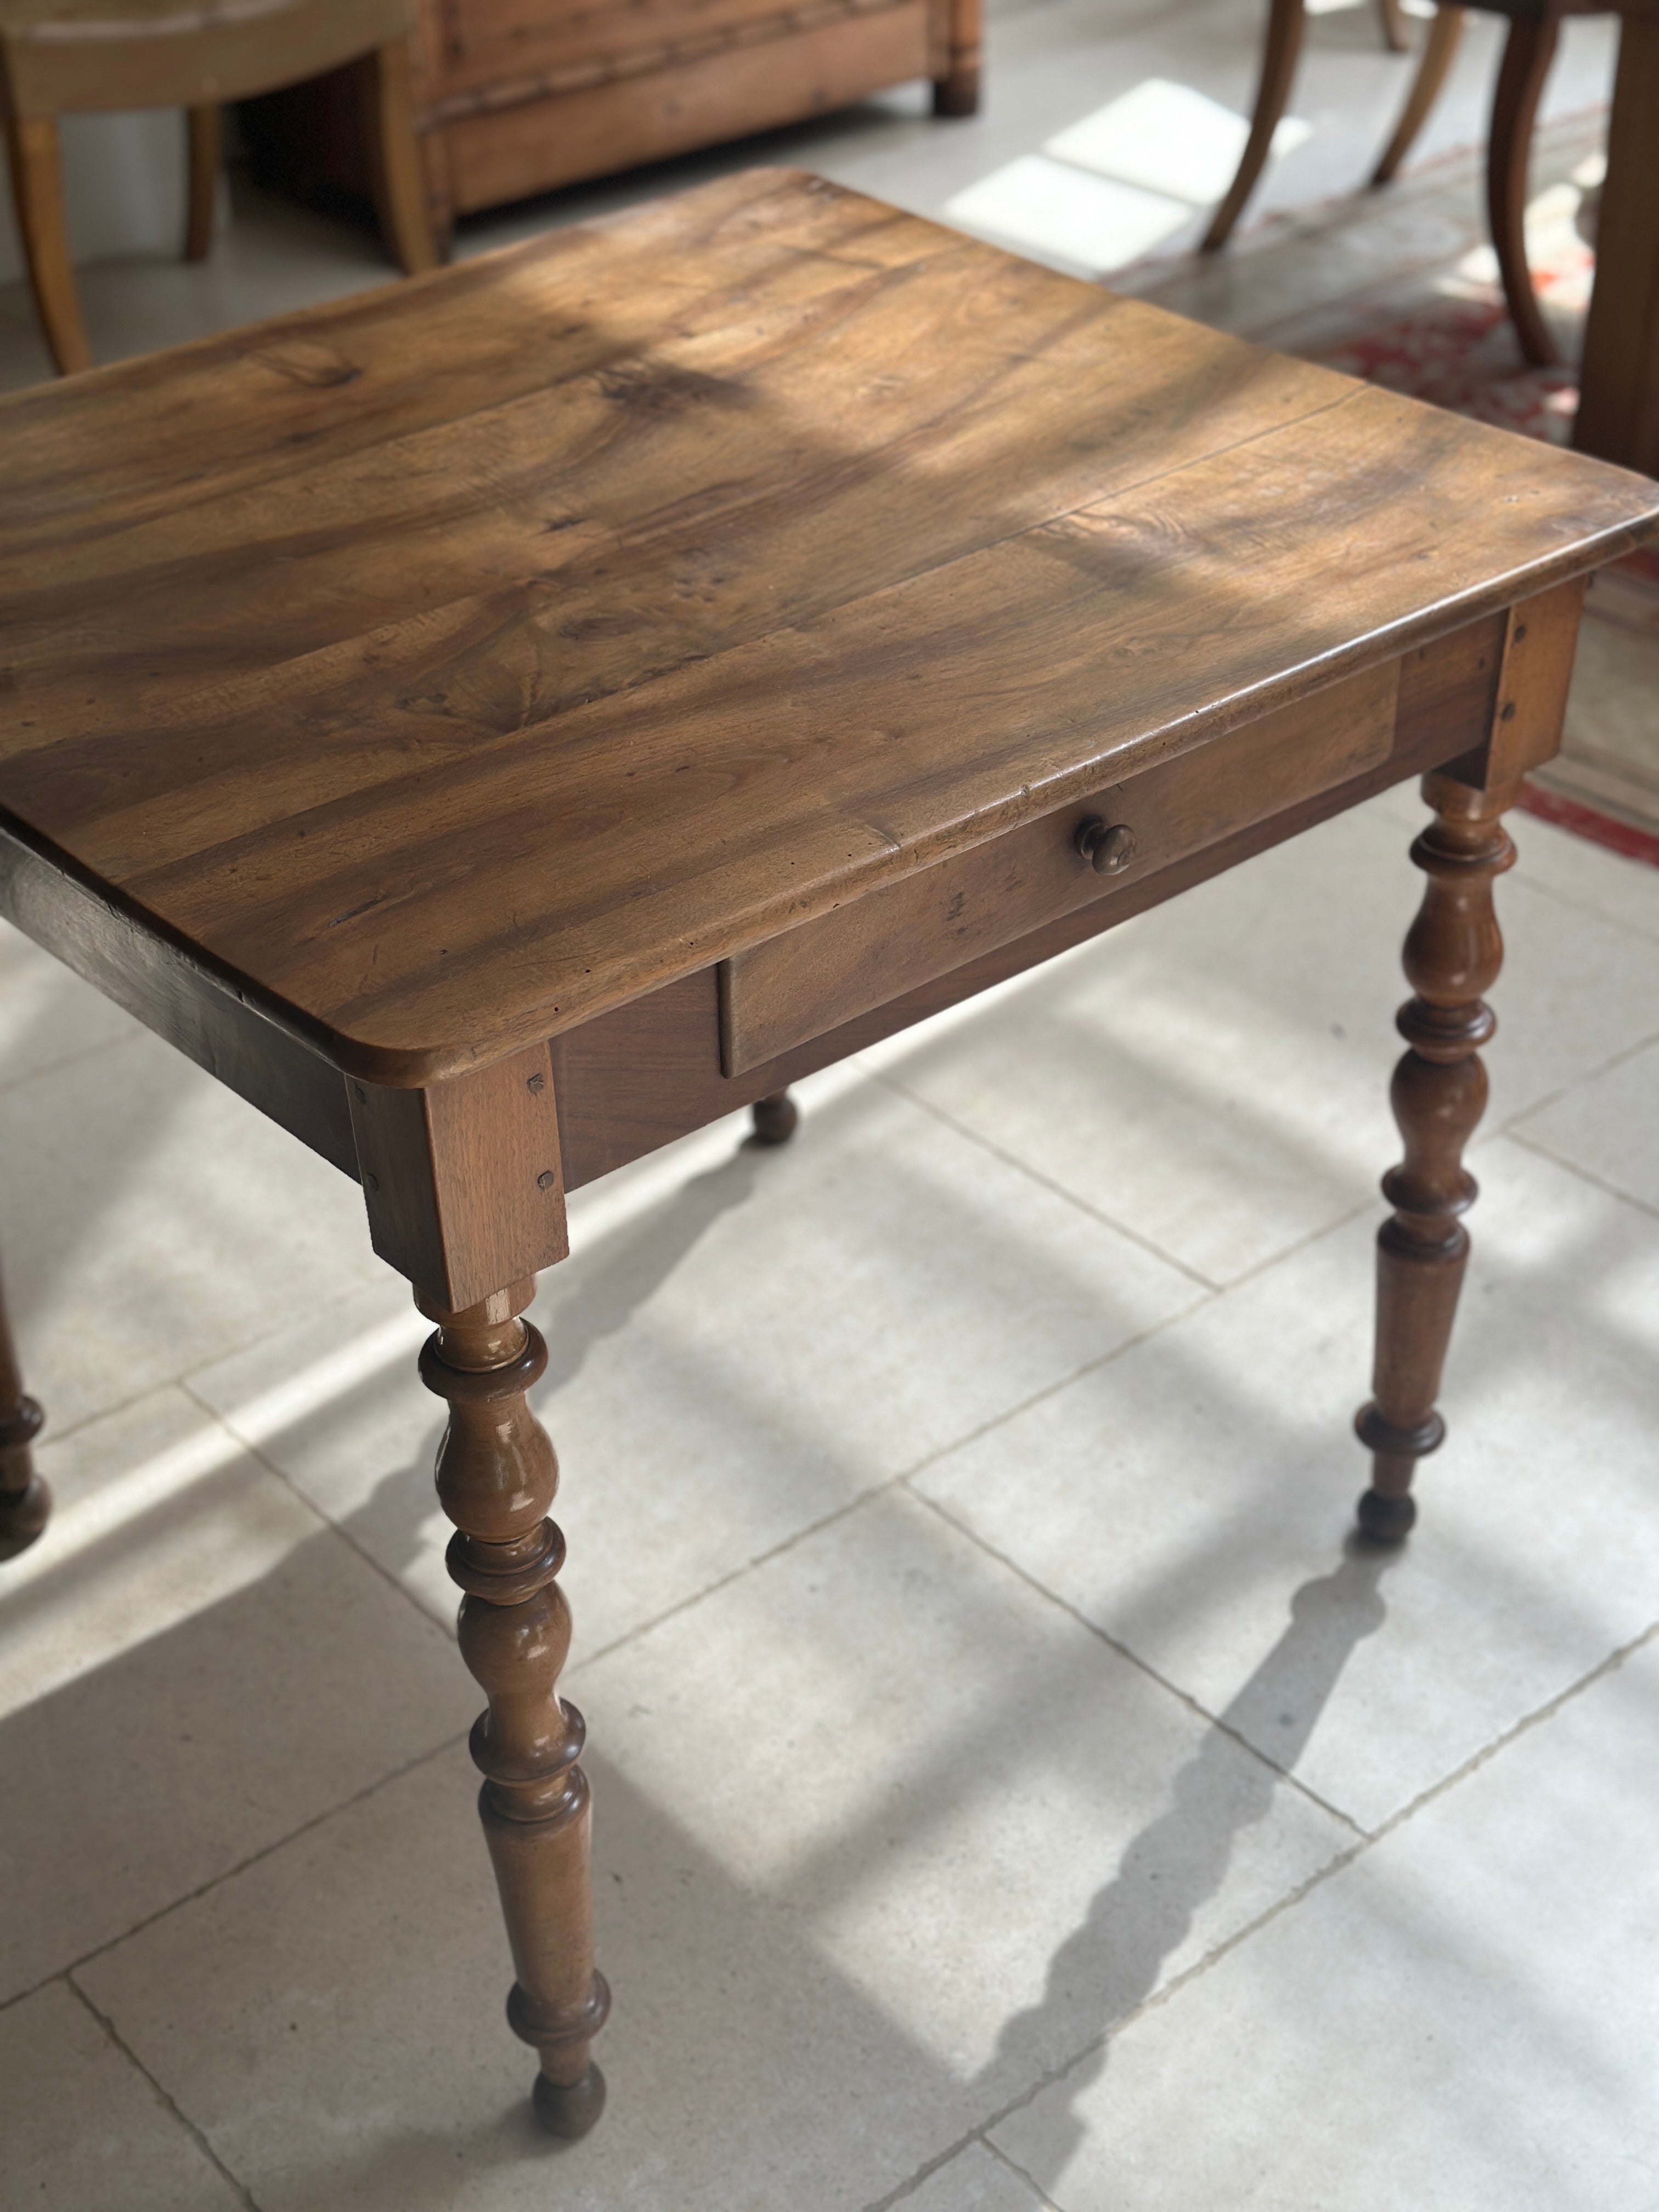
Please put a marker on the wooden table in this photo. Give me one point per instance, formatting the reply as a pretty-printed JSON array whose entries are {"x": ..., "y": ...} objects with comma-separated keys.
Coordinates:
[{"x": 500, "y": 724}]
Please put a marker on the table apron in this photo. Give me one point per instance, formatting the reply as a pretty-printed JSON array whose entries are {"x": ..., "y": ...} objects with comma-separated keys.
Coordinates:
[{"x": 640, "y": 1075}]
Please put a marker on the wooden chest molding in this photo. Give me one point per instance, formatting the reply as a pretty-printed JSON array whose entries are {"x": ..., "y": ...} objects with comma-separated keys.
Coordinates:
[
  {"x": 516, "y": 97},
  {"x": 489, "y": 142},
  {"x": 484, "y": 54}
]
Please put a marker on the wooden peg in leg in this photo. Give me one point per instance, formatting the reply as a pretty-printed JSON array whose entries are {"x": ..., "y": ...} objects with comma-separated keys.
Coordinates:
[{"x": 496, "y": 1479}]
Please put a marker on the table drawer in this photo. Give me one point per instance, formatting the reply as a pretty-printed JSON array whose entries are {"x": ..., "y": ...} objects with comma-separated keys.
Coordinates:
[{"x": 810, "y": 980}]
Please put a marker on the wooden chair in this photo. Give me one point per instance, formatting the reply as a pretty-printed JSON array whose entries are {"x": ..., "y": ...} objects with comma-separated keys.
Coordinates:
[
  {"x": 1286, "y": 21},
  {"x": 60, "y": 56},
  {"x": 1534, "y": 30}
]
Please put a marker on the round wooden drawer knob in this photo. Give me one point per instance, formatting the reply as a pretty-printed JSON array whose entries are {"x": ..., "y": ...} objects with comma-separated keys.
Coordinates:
[{"x": 1107, "y": 848}]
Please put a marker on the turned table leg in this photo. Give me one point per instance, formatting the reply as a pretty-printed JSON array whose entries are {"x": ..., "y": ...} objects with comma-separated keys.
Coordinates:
[
  {"x": 25, "y": 1501},
  {"x": 496, "y": 1479},
  {"x": 1453, "y": 954}
]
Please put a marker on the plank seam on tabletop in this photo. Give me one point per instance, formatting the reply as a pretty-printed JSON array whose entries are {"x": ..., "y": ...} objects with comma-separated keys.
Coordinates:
[{"x": 167, "y": 2103}]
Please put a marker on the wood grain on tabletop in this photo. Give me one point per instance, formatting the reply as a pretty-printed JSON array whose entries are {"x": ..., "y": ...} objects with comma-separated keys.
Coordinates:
[{"x": 448, "y": 665}]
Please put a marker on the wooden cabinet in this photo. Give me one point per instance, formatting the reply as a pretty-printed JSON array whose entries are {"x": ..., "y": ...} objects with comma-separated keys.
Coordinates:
[{"x": 515, "y": 97}]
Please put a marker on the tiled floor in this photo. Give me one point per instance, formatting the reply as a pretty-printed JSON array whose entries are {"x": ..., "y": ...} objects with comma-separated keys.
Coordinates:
[{"x": 1011, "y": 1791}]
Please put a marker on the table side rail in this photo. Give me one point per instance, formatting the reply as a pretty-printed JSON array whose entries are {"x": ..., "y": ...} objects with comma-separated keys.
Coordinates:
[
  {"x": 638, "y": 1077},
  {"x": 826, "y": 971},
  {"x": 154, "y": 981}
]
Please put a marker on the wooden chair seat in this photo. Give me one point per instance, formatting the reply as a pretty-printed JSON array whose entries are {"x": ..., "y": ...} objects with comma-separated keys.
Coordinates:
[
  {"x": 60, "y": 56},
  {"x": 1534, "y": 31}
]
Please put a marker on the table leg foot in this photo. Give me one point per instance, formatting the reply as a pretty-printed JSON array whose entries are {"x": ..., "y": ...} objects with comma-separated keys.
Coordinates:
[
  {"x": 23, "y": 1513},
  {"x": 569, "y": 2110},
  {"x": 25, "y": 1500},
  {"x": 776, "y": 1119},
  {"x": 1453, "y": 954},
  {"x": 497, "y": 1477}
]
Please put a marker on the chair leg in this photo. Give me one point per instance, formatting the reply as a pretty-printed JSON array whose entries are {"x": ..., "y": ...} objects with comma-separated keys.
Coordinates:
[
  {"x": 1285, "y": 23},
  {"x": 205, "y": 130},
  {"x": 1445, "y": 37},
  {"x": 394, "y": 159},
  {"x": 37, "y": 183},
  {"x": 1527, "y": 59},
  {"x": 1395, "y": 28},
  {"x": 956, "y": 92}
]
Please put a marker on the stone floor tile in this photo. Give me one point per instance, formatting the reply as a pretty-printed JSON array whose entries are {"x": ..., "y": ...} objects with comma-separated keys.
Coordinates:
[
  {"x": 1608, "y": 1125},
  {"x": 133, "y": 1168},
  {"x": 83, "y": 2131},
  {"x": 744, "y": 1339},
  {"x": 1613, "y": 708},
  {"x": 48, "y": 1014},
  {"x": 1213, "y": 1076},
  {"x": 976, "y": 2180},
  {"x": 881, "y": 1835},
  {"x": 1586, "y": 875},
  {"x": 1191, "y": 1498},
  {"x": 191, "y": 1665},
  {"x": 1465, "y": 2017}
]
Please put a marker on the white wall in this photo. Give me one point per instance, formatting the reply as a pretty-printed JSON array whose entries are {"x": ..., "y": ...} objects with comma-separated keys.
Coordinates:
[{"x": 123, "y": 179}]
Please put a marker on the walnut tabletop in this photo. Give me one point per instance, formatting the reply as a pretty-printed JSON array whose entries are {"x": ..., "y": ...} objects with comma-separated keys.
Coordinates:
[
  {"x": 501, "y": 723},
  {"x": 446, "y": 667}
]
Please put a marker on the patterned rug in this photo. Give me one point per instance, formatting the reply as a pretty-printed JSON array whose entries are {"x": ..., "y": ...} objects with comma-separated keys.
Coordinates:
[{"x": 1456, "y": 349}]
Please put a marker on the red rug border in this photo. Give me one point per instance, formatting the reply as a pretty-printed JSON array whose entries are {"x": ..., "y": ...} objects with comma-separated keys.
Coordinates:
[{"x": 1570, "y": 814}]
